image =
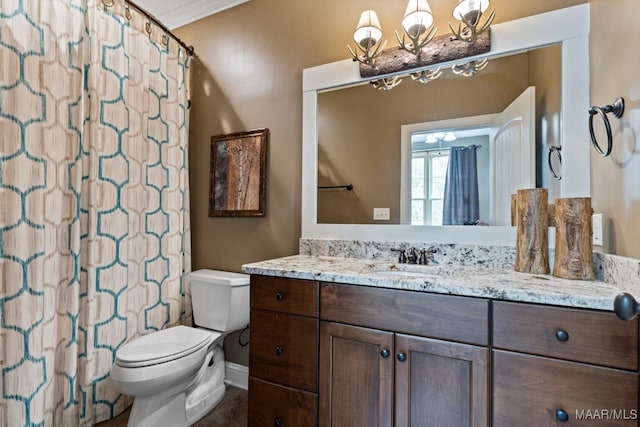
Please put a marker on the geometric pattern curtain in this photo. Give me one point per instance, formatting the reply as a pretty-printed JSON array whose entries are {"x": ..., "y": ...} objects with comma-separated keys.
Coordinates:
[{"x": 94, "y": 202}]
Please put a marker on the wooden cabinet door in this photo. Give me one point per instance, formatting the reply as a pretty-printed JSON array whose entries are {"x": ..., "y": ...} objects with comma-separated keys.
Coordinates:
[
  {"x": 276, "y": 405},
  {"x": 440, "y": 383},
  {"x": 356, "y": 376},
  {"x": 284, "y": 349},
  {"x": 534, "y": 391}
]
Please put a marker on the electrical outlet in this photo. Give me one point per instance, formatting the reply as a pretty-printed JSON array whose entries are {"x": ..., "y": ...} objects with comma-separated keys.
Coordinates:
[
  {"x": 596, "y": 223},
  {"x": 381, "y": 214}
]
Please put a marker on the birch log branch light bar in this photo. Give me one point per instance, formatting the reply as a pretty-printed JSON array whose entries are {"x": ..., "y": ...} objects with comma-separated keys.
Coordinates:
[{"x": 418, "y": 47}]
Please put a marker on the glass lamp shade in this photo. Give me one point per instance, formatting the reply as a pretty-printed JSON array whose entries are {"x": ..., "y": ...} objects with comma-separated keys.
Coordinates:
[
  {"x": 470, "y": 9},
  {"x": 417, "y": 17},
  {"x": 368, "y": 31}
]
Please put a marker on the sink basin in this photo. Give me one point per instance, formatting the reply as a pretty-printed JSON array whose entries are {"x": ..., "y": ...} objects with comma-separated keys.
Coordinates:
[
  {"x": 401, "y": 273},
  {"x": 408, "y": 270}
]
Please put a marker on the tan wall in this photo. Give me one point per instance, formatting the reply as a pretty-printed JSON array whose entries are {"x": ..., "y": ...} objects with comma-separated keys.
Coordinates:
[
  {"x": 614, "y": 65},
  {"x": 247, "y": 74}
]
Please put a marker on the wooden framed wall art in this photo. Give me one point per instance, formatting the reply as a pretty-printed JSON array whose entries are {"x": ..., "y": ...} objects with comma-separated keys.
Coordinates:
[{"x": 238, "y": 174}]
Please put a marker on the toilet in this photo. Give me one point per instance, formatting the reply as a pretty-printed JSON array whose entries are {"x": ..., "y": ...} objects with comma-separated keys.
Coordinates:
[{"x": 176, "y": 375}]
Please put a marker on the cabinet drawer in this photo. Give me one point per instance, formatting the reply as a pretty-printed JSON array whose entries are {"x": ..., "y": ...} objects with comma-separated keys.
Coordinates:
[
  {"x": 531, "y": 390},
  {"x": 448, "y": 317},
  {"x": 291, "y": 296},
  {"x": 284, "y": 349},
  {"x": 573, "y": 334},
  {"x": 271, "y": 405}
]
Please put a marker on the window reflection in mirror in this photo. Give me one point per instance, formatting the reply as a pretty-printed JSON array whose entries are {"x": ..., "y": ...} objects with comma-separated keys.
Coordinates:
[
  {"x": 359, "y": 134},
  {"x": 430, "y": 153}
]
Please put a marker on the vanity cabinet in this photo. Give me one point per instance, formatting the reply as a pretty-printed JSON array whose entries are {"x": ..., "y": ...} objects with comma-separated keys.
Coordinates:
[
  {"x": 341, "y": 355},
  {"x": 375, "y": 372},
  {"x": 562, "y": 366},
  {"x": 283, "y": 358}
]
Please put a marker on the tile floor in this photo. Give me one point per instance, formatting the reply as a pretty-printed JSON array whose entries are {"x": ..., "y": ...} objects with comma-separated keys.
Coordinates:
[{"x": 230, "y": 412}]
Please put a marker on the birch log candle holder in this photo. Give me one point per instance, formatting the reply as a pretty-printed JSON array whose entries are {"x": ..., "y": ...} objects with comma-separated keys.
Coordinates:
[
  {"x": 574, "y": 250},
  {"x": 532, "y": 242}
]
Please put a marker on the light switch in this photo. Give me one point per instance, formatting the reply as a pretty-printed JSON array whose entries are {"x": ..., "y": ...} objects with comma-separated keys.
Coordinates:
[
  {"x": 596, "y": 223},
  {"x": 381, "y": 214}
]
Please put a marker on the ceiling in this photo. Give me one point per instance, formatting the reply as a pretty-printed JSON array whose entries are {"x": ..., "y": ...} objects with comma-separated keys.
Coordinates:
[{"x": 176, "y": 13}]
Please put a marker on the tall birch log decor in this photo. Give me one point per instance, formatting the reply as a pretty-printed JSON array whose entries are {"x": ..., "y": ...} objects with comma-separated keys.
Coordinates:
[
  {"x": 574, "y": 250},
  {"x": 532, "y": 244}
]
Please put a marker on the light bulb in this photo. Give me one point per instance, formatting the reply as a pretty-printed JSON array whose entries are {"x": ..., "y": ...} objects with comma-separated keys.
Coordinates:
[
  {"x": 368, "y": 32},
  {"x": 470, "y": 10},
  {"x": 417, "y": 17}
]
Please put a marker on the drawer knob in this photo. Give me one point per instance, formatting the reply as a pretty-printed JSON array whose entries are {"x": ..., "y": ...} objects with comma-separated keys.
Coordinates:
[
  {"x": 279, "y": 350},
  {"x": 562, "y": 335},
  {"x": 561, "y": 415},
  {"x": 401, "y": 357},
  {"x": 279, "y": 296},
  {"x": 626, "y": 306},
  {"x": 384, "y": 353},
  {"x": 277, "y": 422}
]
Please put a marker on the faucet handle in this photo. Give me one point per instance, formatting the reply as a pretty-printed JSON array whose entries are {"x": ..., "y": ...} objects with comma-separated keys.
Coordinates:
[
  {"x": 402, "y": 257},
  {"x": 413, "y": 256},
  {"x": 426, "y": 255}
]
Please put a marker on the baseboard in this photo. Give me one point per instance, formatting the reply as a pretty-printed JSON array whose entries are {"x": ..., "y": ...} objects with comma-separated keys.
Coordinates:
[{"x": 237, "y": 375}]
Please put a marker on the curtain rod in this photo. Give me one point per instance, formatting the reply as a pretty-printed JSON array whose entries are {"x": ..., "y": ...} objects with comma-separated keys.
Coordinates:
[
  {"x": 428, "y": 150},
  {"x": 189, "y": 49}
]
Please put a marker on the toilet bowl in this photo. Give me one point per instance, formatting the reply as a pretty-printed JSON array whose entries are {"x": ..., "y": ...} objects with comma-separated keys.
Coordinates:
[{"x": 176, "y": 375}]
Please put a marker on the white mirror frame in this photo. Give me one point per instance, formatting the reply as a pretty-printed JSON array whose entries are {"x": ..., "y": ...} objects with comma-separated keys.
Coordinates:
[{"x": 568, "y": 27}]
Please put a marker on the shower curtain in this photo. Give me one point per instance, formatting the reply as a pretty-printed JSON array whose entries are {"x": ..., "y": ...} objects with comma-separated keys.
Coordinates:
[
  {"x": 94, "y": 202},
  {"x": 461, "y": 201}
]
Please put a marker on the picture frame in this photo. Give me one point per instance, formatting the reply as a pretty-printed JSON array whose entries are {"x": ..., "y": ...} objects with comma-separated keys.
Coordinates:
[{"x": 238, "y": 174}]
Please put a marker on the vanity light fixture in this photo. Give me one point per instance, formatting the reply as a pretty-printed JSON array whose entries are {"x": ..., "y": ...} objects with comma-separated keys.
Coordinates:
[
  {"x": 434, "y": 137},
  {"x": 469, "y": 13},
  {"x": 368, "y": 38},
  {"x": 426, "y": 76},
  {"x": 417, "y": 19},
  {"x": 386, "y": 83},
  {"x": 423, "y": 77},
  {"x": 418, "y": 28},
  {"x": 470, "y": 68}
]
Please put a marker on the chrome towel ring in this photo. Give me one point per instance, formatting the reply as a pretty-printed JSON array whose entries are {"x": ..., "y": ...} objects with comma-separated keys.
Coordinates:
[
  {"x": 557, "y": 151},
  {"x": 617, "y": 108}
]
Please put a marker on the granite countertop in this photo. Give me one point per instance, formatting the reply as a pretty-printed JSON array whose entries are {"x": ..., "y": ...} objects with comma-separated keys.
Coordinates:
[{"x": 494, "y": 283}]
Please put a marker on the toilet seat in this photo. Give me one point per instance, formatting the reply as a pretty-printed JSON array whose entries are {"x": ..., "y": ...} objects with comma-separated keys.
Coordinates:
[{"x": 164, "y": 346}]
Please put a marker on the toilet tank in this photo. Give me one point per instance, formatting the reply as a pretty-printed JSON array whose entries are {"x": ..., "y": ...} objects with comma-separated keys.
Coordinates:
[{"x": 220, "y": 299}]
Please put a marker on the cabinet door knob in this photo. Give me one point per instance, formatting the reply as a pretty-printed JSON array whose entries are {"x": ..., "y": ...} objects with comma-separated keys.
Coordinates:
[
  {"x": 279, "y": 296},
  {"x": 279, "y": 350},
  {"x": 401, "y": 357},
  {"x": 562, "y": 335},
  {"x": 277, "y": 422},
  {"x": 626, "y": 306},
  {"x": 561, "y": 415},
  {"x": 384, "y": 353}
]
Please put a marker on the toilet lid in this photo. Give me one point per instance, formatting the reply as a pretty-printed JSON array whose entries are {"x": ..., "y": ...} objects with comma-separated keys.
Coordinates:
[{"x": 164, "y": 346}]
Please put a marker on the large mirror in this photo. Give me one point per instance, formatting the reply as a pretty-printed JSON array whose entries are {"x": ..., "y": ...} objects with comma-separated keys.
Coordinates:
[
  {"x": 554, "y": 43},
  {"x": 393, "y": 147}
]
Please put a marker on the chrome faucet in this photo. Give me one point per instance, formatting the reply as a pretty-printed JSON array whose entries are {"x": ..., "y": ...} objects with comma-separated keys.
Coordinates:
[
  {"x": 412, "y": 258},
  {"x": 426, "y": 255},
  {"x": 402, "y": 255}
]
